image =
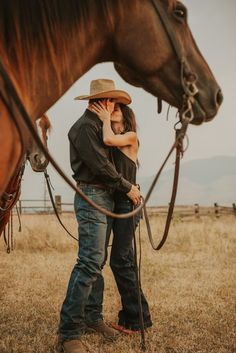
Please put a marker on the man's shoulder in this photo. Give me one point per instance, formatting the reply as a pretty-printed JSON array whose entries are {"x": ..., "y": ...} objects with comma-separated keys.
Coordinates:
[{"x": 86, "y": 120}]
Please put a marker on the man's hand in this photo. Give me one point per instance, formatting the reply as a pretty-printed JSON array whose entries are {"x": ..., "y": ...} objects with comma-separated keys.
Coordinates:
[{"x": 134, "y": 195}]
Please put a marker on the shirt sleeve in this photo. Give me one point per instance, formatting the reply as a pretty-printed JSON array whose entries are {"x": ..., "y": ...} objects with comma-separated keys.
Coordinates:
[{"x": 92, "y": 153}]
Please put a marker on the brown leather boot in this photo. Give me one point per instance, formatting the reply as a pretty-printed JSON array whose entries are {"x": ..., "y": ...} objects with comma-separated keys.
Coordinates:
[
  {"x": 100, "y": 327},
  {"x": 73, "y": 346}
]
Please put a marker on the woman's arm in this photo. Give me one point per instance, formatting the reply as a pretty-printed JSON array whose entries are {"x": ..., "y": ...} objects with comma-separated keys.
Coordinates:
[{"x": 118, "y": 140}]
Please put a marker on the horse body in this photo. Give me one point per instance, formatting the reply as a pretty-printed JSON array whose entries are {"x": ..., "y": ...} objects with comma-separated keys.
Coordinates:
[
  {"x": 46, "y": 46},
  {"x": 38, "y": 163}
]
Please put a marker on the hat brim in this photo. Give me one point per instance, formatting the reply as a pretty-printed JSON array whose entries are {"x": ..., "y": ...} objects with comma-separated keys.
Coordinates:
[{"x": 118, "y": 95}]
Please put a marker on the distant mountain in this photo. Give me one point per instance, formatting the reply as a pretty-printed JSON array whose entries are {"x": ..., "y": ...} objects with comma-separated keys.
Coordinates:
[{"x": 202, "y": 181}]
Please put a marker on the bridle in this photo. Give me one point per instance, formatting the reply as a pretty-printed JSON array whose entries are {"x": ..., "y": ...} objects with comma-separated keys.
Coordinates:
[
  {"x": 189, "y": 86},
  {"x": 21, "y": 117}
]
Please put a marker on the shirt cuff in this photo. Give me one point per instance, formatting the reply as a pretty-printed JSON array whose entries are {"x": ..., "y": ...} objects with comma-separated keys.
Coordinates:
[{"x": 125, "y": 186}]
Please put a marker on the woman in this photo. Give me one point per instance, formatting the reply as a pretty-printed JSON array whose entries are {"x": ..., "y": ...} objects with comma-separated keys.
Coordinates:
[{"x": 119, "y": 132}]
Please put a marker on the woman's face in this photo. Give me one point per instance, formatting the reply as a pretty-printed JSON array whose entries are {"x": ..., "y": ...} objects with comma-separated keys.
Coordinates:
[{"x": 117, "y": 120}]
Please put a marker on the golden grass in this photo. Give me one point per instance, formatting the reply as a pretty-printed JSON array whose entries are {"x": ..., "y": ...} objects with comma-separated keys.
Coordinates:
[{"x": 190, "y": 286}]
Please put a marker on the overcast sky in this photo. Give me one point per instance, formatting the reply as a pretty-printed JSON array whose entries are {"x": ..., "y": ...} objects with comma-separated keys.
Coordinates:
[{"x": 213, "y": 24}]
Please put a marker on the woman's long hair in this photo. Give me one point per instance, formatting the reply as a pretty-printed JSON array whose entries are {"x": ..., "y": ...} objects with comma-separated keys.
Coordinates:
[
  {"x": 129, "y": 121},
  {"x": 129, "y": 118}
]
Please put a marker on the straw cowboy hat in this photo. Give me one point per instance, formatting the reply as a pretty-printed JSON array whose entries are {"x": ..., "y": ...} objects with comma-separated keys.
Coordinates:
[{"x": 103, "y": 88}]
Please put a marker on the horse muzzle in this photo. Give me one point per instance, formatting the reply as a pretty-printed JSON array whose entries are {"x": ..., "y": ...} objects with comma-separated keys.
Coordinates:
[
  {"x": 204, "y": 110},
  {"x": 38, "y": 162}
]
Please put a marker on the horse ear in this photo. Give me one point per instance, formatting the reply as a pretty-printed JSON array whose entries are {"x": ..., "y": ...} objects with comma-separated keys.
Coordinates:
[
  {"x": 45, "y": 123},
  {"x": 127, "y": 74}
]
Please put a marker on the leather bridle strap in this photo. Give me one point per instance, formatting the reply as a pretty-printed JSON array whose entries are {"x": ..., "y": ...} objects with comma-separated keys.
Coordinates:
[
  {"x": 188, "y": 78},
  {"x": 179, "y": 150},
  {"x": 169, "y": 30},
  {"x": 12, "y": 107},
  {"x": 55, "y": 207}
]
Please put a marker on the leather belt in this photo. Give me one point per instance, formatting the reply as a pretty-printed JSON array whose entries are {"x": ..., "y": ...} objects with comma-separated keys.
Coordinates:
[{"x": 99, "y": 186}]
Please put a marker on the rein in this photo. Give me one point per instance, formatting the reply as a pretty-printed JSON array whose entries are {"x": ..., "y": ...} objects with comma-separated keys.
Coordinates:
[
  {"x": 179, "y": 153},
  {"x": 54, "y": 206},
  {"x": 7, "y": 202}
]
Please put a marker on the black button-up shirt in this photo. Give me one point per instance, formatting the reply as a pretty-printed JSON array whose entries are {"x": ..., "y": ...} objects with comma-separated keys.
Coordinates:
[{"x": 89, "y": 157}]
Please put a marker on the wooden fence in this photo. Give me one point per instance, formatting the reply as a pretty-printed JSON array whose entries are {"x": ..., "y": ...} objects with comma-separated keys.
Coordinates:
[{"x": 196, "y": 210}]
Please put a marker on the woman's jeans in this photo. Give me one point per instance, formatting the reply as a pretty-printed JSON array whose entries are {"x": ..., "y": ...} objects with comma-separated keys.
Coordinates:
[
  {"x": 83, "y": 302},
  {"x": 123, "y": 267}
]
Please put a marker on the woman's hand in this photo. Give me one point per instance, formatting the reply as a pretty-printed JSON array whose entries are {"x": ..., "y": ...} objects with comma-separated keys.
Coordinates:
[
  {"x": 104, "y": 113},
  {"x": 110, "y": 105}
]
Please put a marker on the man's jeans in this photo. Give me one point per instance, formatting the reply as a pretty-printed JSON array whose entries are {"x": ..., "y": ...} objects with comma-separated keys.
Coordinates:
[
  {"x": 123, "y": 268},
  {"x": 83, "y": 302}
]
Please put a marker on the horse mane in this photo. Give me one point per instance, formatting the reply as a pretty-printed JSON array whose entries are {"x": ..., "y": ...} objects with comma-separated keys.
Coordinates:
[
  {"x": 41, "y": 30},
  {"x": 45, "y": 123}
]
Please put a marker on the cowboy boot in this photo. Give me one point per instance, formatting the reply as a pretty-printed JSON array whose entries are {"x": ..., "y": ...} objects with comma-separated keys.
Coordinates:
[
  {"x": 73, "y": 346},
  {"x": 100, "y": 327}
]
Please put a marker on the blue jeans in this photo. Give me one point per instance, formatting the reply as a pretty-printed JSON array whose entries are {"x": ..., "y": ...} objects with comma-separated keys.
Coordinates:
[
  {"x": 123, "y": 267},
  {"x": 83, "y": 302}
]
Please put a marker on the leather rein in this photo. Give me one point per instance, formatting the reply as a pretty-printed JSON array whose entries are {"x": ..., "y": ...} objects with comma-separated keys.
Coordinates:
[{"x": 20, "y": 117}]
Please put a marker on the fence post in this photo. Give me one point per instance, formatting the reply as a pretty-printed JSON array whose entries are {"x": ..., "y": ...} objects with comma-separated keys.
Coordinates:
[
  {"x": 58, "y": 203},
  {"x": 234, "y": 208},
  {"x": 216, "y": 209},
  {"x": 196, "y": 210}
]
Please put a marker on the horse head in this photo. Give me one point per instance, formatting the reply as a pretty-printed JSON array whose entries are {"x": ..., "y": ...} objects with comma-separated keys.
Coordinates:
[
  {"x": 158, "y": 53},
  {"x": 37, "y": 159}
]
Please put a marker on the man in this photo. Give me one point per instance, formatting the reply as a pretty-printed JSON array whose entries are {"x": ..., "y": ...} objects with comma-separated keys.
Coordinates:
[{"x": 97, "y": 177}]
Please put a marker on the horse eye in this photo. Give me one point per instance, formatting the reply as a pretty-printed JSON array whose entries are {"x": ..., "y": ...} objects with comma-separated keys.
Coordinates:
[{"x": 180, "y": 12}]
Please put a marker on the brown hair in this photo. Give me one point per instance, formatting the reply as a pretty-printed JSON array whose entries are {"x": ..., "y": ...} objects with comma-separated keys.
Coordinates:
[
  {"x": 129, "y": 121},
  {"x": 129, "y": 118}
]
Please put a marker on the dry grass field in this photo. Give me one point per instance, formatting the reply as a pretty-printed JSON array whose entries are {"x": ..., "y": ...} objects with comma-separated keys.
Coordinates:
[{"x": 190, "y": 285}]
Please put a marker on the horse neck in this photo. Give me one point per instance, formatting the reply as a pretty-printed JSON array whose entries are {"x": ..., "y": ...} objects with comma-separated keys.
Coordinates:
[{"x": 44, "y": 77}]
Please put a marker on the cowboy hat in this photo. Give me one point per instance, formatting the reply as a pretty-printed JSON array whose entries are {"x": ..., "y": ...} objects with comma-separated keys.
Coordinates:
[{"x": 103, "y": 88}]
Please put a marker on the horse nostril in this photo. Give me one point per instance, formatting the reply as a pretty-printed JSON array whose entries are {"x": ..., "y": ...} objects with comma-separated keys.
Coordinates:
[{"x": 219, "y": 97}]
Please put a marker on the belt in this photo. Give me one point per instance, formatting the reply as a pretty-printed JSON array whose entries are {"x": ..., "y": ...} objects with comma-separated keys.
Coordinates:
[{"x": 99, "y": 186}]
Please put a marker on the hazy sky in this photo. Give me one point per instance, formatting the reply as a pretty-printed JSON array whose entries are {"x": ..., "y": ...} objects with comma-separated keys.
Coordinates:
[{"x": 213, "y": 24}]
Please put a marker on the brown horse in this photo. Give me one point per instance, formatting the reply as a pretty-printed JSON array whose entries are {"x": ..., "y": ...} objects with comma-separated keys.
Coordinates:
[
  {"x": 38, "y": 163},
  {"x": 45, "y": 46}
]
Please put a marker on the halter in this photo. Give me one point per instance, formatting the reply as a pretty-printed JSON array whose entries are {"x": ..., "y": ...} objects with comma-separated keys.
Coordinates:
[{"x": 189, "y": 86}]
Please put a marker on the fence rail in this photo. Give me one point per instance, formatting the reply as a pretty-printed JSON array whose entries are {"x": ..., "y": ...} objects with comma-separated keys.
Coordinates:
[{"x": 44, "y": 207}]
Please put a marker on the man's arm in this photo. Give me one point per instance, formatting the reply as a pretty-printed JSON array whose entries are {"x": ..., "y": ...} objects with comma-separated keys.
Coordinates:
[{"x": 91, "y": 151}]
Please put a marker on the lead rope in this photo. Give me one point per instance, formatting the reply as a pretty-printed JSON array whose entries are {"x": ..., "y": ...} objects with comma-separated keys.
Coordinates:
[
  {"x": 11, "y": 231},
  {"x": 8, "y": 234},
  {"x": 8, "y": 237},
  {"x": 179, "y": 151},
  {"x": 138, "y": 284},
  {"x": 54, "y": 206},
  {"x": 19, "y": 218}
]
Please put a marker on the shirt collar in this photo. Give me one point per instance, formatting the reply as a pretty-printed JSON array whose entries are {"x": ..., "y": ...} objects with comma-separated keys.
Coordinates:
[{"x": 93, "y": 116}]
